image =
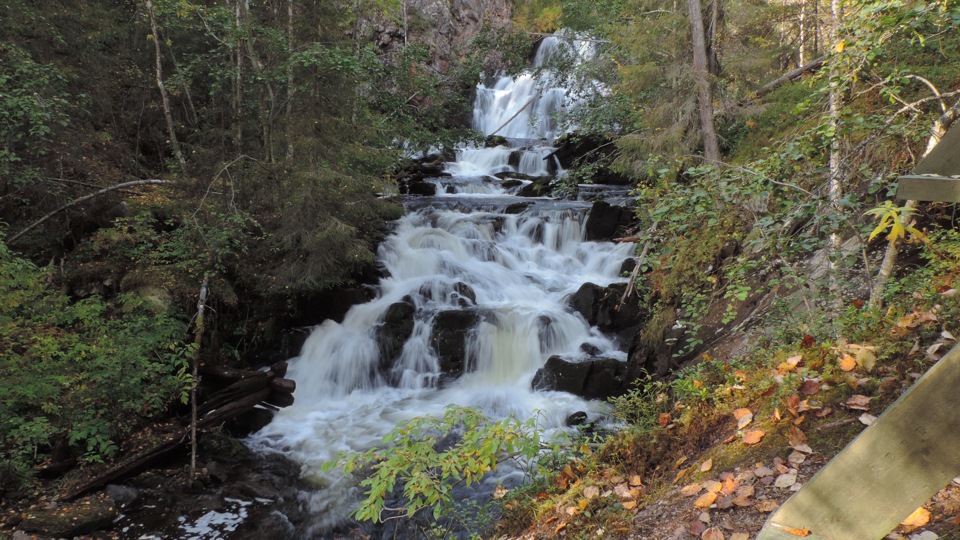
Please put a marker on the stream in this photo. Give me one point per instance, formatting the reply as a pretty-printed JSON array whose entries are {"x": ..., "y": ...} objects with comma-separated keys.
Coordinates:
[{"x": 474, "y": 302}]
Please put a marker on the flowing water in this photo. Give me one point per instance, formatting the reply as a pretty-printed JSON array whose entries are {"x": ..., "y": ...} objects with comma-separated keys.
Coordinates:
[{"x": 457, "y": 252}]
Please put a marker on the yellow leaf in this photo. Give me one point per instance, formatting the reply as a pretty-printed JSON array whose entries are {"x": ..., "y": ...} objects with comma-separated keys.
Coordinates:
[
  {"x": 713, "y": 533},
  {"x": 847, "y": 363},
  {"x": 707, "y": 465},
  {"x": 691, "y": 489},
  {"x": 635, "y": 480},
  {"x": 629, "y": 505},
  {"x": 712, "y": 486},
  {"x": 582, "y": 503},
  {"x": 866, "y": 358},
  {"x": 840, "y": 46},
  {"x": 754, "y": 436},
  {"x": 706, "y": 499},
  {"x": 919, "y": 518}
]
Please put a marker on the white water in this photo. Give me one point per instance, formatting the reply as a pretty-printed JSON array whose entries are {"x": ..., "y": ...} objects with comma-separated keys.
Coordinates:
[{"x": 521, "y": 268}]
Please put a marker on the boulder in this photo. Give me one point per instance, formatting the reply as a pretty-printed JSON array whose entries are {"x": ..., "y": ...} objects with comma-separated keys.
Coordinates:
[
  {"x": 516, "y": 208},
  {"x": 394, "y": 331},
  {"x": 600, "y": 306},
  {"x": 601, "y": 378},
  {"x": 67, "y": 521},
  {"x": 421, "y": 188},
  {"x": 604, "y": 219},
  {"x": 451, "y": 329},
  {"x": 493, "y": 141}
]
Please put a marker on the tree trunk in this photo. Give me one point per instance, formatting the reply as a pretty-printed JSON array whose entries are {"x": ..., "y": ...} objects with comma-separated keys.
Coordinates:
[
  {"x": 711, "y": 151},
  {"x": 238, "y": 81},
  {"x": 803, "y": 34},
  {"x": 195, "y": 374},
  {"x": 164, "y": 97},
  {"x": 835, "y": 184},
  {"x": 290, "y": 82}
]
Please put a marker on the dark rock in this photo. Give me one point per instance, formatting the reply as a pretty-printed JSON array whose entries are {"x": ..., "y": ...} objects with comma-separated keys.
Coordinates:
[
  {"x": 576, "y": 419},
  {"x": 495, "y": 140},
  {"x": 462, "y": 292},
  {"x": 259, "y": 486},
  {"x": 539, "y": 187},
  {"x": 122, "y": 495},
  {"x": 516, "y": 208},
  {"x": 280, "y": 399},
  {"x": 593, "y": 379},
  {"x": 589, "y": 349},
  {"x": 422, "y": 188},
  {"x": 70, "y": 520},
  {"x": 628, "y": 266},
  {"x": 449, "y": 340},
  {"x": 601, "y": 307},
  {"x": 604, "y": 220},
  {"x": 249, "y": 422},
  {"x": 510, "y": 184},
  {"x": 573, "y": 148},
  {"x": 394, "y": 331}
]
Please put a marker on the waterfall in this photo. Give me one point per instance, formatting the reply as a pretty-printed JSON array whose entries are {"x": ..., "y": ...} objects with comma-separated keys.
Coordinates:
[{"x": 457, "y": 258}]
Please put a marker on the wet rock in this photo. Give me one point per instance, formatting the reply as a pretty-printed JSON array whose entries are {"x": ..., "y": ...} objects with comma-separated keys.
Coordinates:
[
  {"x": 493, "y": 141},
  {"x": 510, "y": 184},
  {"x": 463, "y": 292},
  {"x": 70, "y": 520},
  {"x": 628, "y": 266},
  {"x": 589, "y": 349},
  {"x": 592, "y": 379},
  {"x": 394, "y": 331},
  {"x": 601, "y": 307},
  {"x": 122, "y": 496},
  {"x": 451, "y": 329},
  {"x": 604, "y": 220},
  {"x": 538, "y": 187},
  {"x": 249, "y": 422},
  {"x": 422, "y": 188},
  {"x": 516, "y": 208},
  {"x": 576, "y": 419}
]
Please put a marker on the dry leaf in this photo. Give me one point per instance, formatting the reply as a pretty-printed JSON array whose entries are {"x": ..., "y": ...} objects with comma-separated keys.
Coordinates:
[
  {"x": 740, "y": 413},
  {"x": 742, "y": 501},
  {"x": 762, "y": 471},
  {"x": 663, "y": 419},
  {"x": 582, "y": 503},
  {"x": 805, "y": 448},
  {"x": 796, "y": 436},
  {"x": 707, "y": 465},
  {"x": 848, "y": 363},
  {"x": 858, "y": 402},
  {"x": 713, "y": 533},
  {"x": 825, "y": 412},
  {"x": 796, "y": 457},
  {"x": 745, "y": 491},
  {"x": 744, "y": 417},
  {"x": 766, "y": 506},
  {"x": 866, "y": 358},
  {"x": 500, "y": 492},
  {"x": 712, "y": 486},
  {"x": 919, "y": 518},
  {"x": 690, "y": 490},
  {"x": 932, "y": 350},
  {"x": 754, "y": 436},
  {"x": 947, "y": 336},
  {"x": 867, "y": 419},
  {"x": 810, "y": 387},
  {"x": 572, "y": 510},
  {"x": 739, "y": 536},
  {"x": 591, "y": 492},
  {"x": 808, "y": 341},
  {"x": 629, "y": 505},
  {"x": 796, "y": 532},
  {"x": 948, "y": 293},
  {"x": 776, "y": 415},
  {"x": 680, "y": 462},
  {"x": 706, "y": 499},
  {"x": 785, "y": 480},
  {"x": 805, "y": 406},
  {"x": 635, "y": 480},
  {"x": 730, "y": 439},
  {"x": 793, "y": 403},
  {"x": 559, "y": 528},
  {"x": 729, "y": 486},
  {"x": 696, "y": 527}
]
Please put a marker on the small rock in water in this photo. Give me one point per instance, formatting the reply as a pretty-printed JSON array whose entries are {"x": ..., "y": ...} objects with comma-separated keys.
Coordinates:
[
  {"x": 577, "y": 418},
  {"x": 122, "y": 495}
]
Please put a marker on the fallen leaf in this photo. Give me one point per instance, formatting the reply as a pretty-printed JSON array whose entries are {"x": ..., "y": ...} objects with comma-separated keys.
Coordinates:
[
  {"x": 591, "y": 492},
  {"x": 500, "y": 492},
  {"x": 690, "y": 490},
  {"x": 796, "y": 532},
  {"x": 762, "y": 471},
  {"x": 740, "y": 413},
  {"x": 582, "y": 503},
  {"x": 680, "y": 462},
  {"x": 858, "y": 402},
  {"x": 805, "y": 448},
  {"x": 616, "y": 479},
  {"x": 572, "y": 510},
  {"x": 808, "y": 341},
  {"x": 745, "y": 491},
  {"x": 796, "y": 457},
  {"x": 866, "y": 358},
  {"x": 776, "y": 415},
  {"x": 867, "y": 419},
  {"x": 744, "y": 418},
  {"x": 825, "y": 412},
  {"x": 706, "y": 499},
  {"x": 948, "y": 293},
  {"x": 729, "y": 486},
  {"x": 810, "y": 387},
  {"x": 712, "y": 486},
  {"x": 947, "y": 336},
  {"x": 663, "y": 419},
  {"x": 919, "y": 518},
  {"x": 754, "y": 436},
  {"x": 796, "y": 436},
  {"x": 932, "y": 350},
  {"x": 707, "y": 465},
  {"x": 697, "y": 527},
  {"x": 742, "y": 501},
  {"x": 805, "y": 406},
  {"x": 766, "y": 506},
  {"x": 848, "y": 363},
  {"x": 730, "y": 439},
  {"x": 713, "y": 533},
  {"x": 622, "y": 491},
  {"x": 793, "y": 403},
  {"x": 635, "y": 480},
  {"x": 559, "y": 528},
  {"x": 785, "y": 480},
  {"x": 629, "y": 505},
  {"x": 739, "y": 536}
]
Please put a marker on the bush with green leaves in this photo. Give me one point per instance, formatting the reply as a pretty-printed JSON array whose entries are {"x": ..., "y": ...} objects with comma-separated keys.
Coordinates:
[
  {"x": 76, "y": 375},
  {"x": 426, "y": 457}
]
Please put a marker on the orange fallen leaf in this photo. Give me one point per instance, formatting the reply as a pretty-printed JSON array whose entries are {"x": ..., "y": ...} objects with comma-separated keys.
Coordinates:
[
  {"x": 808, "y": 341},
  {"x": 572, "y": 510},
  {"x": 796, "y": 532},
  {"x": 712, "y": 486},
  {"x": 739, "y": 536},
  {"x": 810, "y": 387},
  {"x": 635, "y": 480},
  {"x": 730, "y": 485},
  {"x": 663, "y": 419},
  {"x": 919, "y": 518},
  {"x": 796, "y": 436},
  {"x": 706, "y": 499},
  {"x": 754, "y": 436},
  {"x": 629, "y": 505},
  {"x": 690, "y": 490},
  {"x": 766, "y": 506},
  {"x": 848, "y": 363},
  {"x": 742, "y": 501},
  {"x": 740, "y": 413},
  {"x": 776, "y": 415},
  {"x": 559, "y": 528},
  {"x": 707, "y": 465}
]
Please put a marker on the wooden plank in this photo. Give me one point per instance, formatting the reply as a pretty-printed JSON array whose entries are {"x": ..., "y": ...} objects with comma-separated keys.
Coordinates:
[
  {"x": 944, "y": 159},
  {"x": 929, "y": 188},
  {"x": 888, "y": 471}
]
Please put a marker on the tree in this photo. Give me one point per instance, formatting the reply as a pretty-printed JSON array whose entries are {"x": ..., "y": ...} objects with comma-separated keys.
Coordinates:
[{"x": 711, "y": 151}]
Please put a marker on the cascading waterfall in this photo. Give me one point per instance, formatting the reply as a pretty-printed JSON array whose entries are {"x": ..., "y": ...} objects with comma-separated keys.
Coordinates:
[{"x": 456, "y": 255}]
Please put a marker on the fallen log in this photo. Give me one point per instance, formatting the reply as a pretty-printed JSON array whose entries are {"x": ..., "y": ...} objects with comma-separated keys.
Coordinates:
[
  {"x": 166, "y": 446},
  {"x": 783, "y": 79},
  {"x": 235, "y": 391}
]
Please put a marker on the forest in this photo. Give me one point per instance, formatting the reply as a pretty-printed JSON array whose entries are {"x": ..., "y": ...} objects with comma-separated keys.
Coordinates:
[{"x": 186, "y": 186}]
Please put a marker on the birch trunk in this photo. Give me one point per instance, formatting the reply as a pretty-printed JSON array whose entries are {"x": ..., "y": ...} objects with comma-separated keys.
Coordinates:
[
  {"x": 711, "y": 151},
  {"x": 164, "y": 97}
]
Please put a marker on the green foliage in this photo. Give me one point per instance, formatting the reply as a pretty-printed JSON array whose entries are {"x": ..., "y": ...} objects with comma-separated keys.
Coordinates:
[
  {"x": 426, "y": 457},
  {"x": 79, "y": 373},
  {"x": 641, "y": 406}
]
